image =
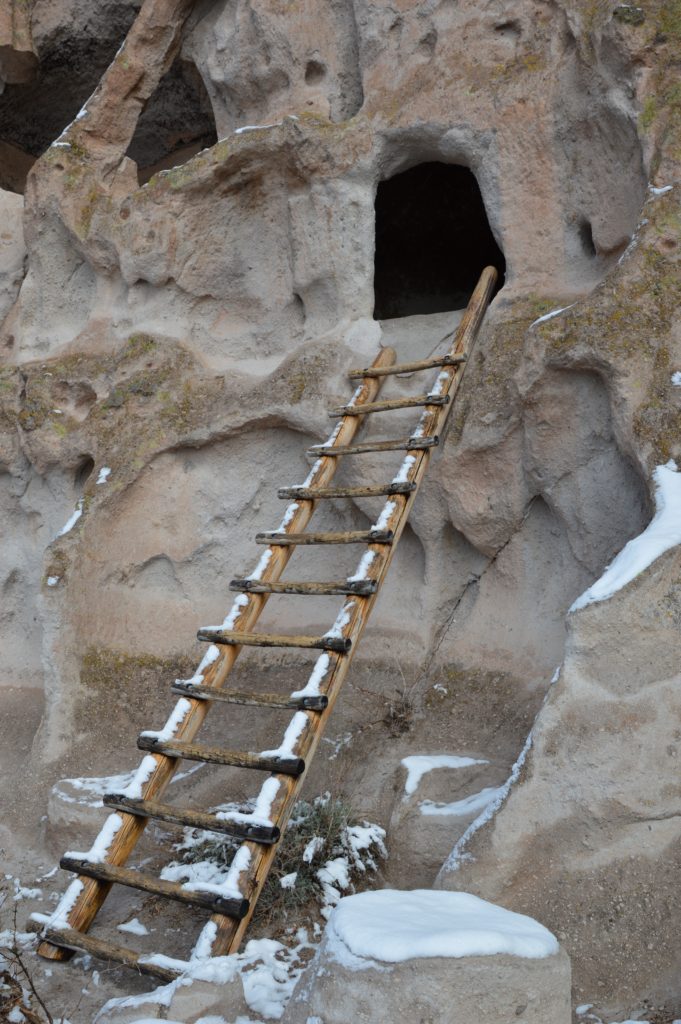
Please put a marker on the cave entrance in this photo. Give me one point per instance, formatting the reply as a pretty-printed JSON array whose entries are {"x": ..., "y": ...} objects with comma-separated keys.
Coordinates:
[{"x": 433, "y": 240}]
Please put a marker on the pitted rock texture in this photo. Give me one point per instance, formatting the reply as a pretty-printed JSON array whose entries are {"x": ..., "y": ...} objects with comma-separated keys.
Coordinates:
[{"x": 189, "y": 334}]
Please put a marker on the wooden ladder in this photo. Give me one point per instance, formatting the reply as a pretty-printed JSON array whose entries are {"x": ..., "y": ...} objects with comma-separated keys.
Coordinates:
[{"x": 232, "y": 906}]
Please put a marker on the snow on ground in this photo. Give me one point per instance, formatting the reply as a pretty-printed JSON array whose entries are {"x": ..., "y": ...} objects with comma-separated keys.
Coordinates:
[
  {"x": 676, "y": 379},
  {"x": 128, "y": 783},
  {"x": 268, "y": 971},
  {"x": 662, "y": 533},
  {"x": 393, "y": 926},
  {"x": 460, "y": 808},
  {"x": 418, "y": 765},
  {"x": 134, "y": 926}
]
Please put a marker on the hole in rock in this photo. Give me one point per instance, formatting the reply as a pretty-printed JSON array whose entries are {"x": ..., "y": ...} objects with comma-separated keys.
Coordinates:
[
  {"x": 586, "y": 238},
  {"x": 83, "y": 471},
  {"x": 432, "y": 241},
  {"x": 176, "y": 124},
  {"x": 315, "y": 72}
]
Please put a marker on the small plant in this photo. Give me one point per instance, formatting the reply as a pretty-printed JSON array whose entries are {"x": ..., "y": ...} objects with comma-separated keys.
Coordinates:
[
  {"x": 325, "y": 852},
  {"x": 20, "y": 1001},
  {"x": 399, "y": 715}
]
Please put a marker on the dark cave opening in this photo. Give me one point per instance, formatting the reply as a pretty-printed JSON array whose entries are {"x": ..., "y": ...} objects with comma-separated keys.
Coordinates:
[
  {"x": 176, "y": 124},
  {"x": 433, "y": 240}
]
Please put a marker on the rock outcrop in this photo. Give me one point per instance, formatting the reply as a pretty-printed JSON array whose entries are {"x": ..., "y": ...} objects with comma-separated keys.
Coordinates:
[{"x": 188, "y": 332}]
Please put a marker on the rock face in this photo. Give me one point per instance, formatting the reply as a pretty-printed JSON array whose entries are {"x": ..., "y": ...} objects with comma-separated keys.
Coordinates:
[{"x": 189, "y": 334}]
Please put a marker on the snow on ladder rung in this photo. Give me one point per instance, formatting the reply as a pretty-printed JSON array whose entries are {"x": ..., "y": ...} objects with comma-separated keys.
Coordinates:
[
  {"x": 421, "y": 364},
  {"x": 233, "y": 638},
  {"x": 372, "y": 491},
  {"x": 311, "y": 702},
  {"x": 389, "y": 405},
  {"x": 230, "y": 906},
  {"x": 360, "y": 588},
  {"x": 349, "y": 537},
  {"x": 238, "y": 829},
  {"x": 79, "y": 942},
  {"x": 283, "y": 764},
  {"x": 366, "y": 447}
]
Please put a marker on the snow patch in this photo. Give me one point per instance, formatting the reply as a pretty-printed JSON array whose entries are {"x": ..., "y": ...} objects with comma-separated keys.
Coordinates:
[
  {"x": 52, "y": 581},
  {"x": 70, "y": 523},
  {"x": 440, "y": 382},
  {"x": 175, "y": 719},
  {"x": 268, "y": 971},
  {"x": 342, "y": 619},
  {"x": 384, "y": 518},
  {"x": 365, "y": 562},
  {"x": 212, "y": 654},
  {"x": 264, "y": 561},
  {"x": 460, "y": 808},
  {"x": 311, "y": 688},
  {"x": 676, "y": 379},
  {"x": 418, "y": 765},
  {"x": 104, "y": 475},
  {"x": 403, "y": 472},
  {"x": 256, "y": 127},
  {"x": 550, "y": 316},
  {"x": 391, "y": 926},
  {"x": 134, "y": 926},
  {"x": 662, "y": 533},
  {"x": 295, "y": 730},
  {"x": 99, "y": 849},
  {"x": 288, "y": 516}
]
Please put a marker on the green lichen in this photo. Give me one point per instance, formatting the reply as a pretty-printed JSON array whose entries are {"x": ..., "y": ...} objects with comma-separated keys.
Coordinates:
[
  {"x": 139, "y": 345},
  {"x": 648, "y": 113},
  {"x": 628, "y": 14},
  {"x": 670, "y": 20},
  {"x": 124, "y": 687},
  {"x": 87, "y": 210}
]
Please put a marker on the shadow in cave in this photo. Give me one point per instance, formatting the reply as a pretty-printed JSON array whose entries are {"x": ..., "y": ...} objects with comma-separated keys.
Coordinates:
[{"x": 433, "y": 240}]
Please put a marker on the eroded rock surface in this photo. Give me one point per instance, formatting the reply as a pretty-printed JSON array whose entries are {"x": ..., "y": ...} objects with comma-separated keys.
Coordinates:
[{"x": 188, "y": 335}]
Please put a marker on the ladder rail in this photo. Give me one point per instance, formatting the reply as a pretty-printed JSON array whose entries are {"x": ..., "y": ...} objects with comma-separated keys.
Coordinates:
[{"x": 94, "y": 892}]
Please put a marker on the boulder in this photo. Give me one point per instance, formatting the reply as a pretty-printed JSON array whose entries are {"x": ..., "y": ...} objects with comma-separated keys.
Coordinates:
[{"x": 435, "y": 958}]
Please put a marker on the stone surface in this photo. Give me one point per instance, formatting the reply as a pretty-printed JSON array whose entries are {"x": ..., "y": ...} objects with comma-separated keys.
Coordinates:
[
  {"x": 191, "y": 334},
  {"x": 12, "y": 252}
]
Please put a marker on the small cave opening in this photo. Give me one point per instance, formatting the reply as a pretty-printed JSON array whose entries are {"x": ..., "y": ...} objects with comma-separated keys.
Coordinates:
[
  {"x": 433, "y": 239},
  {"x": 83, "y": 471}
]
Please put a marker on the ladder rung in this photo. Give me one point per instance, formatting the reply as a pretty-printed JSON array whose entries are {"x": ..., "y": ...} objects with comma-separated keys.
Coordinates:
[
  {"x": 230, "y": 907},
  {"x": 257, "y": 833},
  {"x": 340, "y": 644},
  {"x": 421, "y": 364},
  {"x": 411, "y": 444},
  {"x": 79, "y": 942},
  {"x": 360, "y": 588},
  {"x": 312, "y": 493},
  {"x": 349, "y": 537},
  {"x": 389, "y": 404},
  {"x": 290, "y": 765},
  {"x": 315, "y": 702}
]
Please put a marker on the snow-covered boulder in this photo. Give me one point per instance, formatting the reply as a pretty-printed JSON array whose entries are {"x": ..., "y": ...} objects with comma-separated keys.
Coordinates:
[{"x": 441, "y": 957}]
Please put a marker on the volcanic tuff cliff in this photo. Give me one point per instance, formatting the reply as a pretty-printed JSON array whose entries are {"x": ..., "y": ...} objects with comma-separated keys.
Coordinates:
[{"x": 182, "y": 311}]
